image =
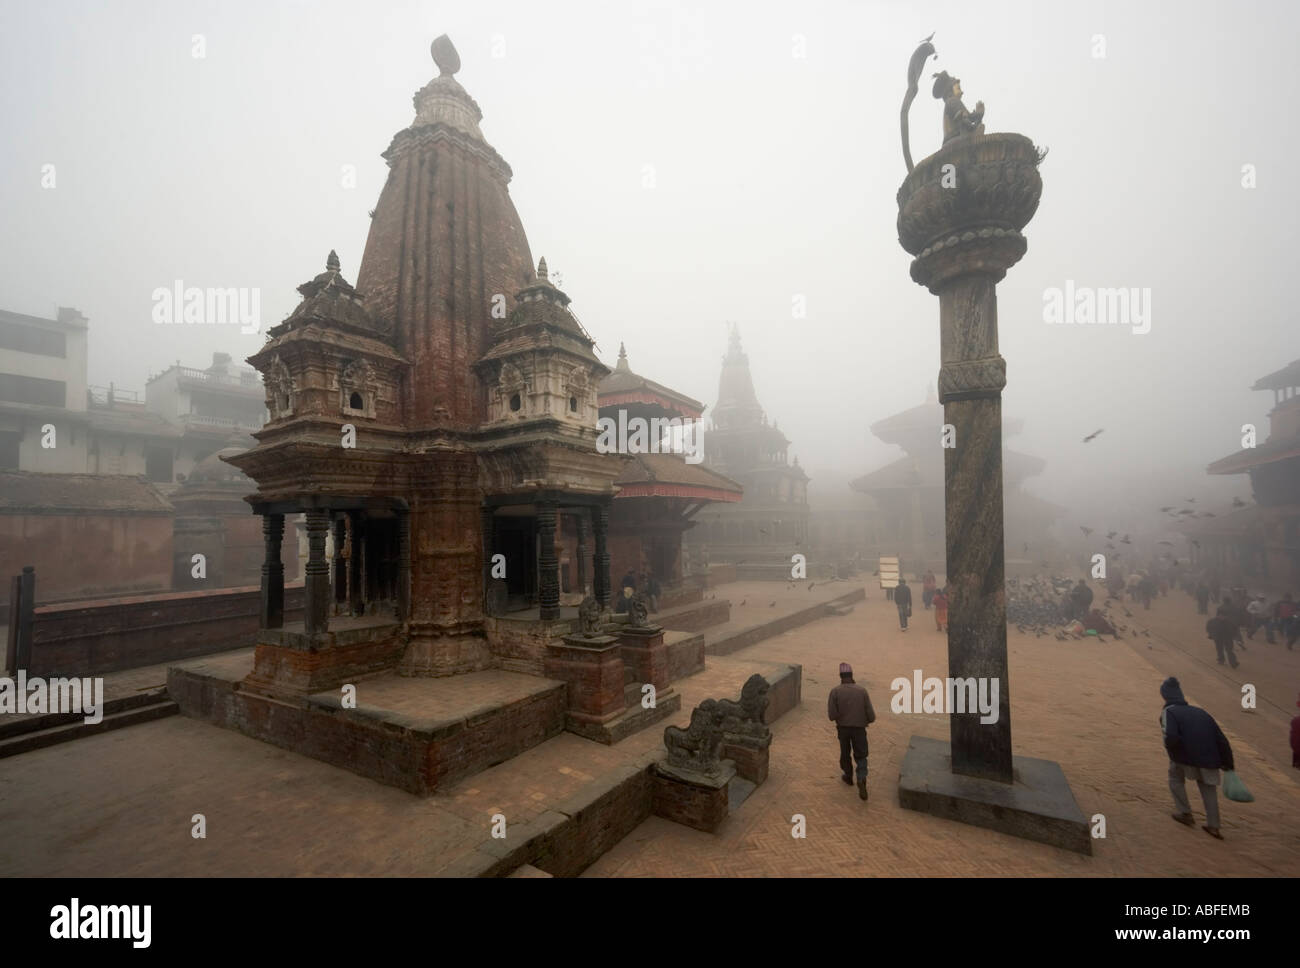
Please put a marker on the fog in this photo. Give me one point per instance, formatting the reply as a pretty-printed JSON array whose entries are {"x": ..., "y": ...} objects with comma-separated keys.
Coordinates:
[{"x": 683, "y": 167}]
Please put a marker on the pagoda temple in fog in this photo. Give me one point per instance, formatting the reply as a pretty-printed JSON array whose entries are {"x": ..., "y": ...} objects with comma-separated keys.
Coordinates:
[
  {"x": 760, "y": 533},
  {"x": 1261, "y": 543},
  {"x": 909, "y": 495}
]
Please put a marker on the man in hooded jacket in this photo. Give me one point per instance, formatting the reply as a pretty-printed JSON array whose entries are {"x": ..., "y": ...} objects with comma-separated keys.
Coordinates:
[{"x": 1197, "y": 751}]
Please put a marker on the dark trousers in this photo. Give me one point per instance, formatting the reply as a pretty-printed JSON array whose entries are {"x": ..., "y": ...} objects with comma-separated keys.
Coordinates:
[
  {"x": 902, "y": 615},
  {"x": 853, "y": 738},
  {"x": 1225, "y": 649}
]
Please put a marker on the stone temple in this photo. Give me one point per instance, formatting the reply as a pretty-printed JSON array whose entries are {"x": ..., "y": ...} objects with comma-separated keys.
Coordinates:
[{"x": 436, "y": 426}]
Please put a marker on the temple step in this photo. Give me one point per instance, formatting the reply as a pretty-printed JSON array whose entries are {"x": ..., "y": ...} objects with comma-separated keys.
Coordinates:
[
  {"x": 32, "y": 724},
  {"x": 52, "y": 736}
]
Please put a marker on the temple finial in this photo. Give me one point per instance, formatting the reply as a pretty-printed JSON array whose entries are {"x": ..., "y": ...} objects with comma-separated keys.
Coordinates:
[
  {"x": 445, "y": 56},
  {"x": 543, "y": 275},
  {"x": 332, "y": 263}
]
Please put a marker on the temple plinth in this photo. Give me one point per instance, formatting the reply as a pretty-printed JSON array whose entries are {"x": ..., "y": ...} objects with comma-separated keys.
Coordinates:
[{"x": 961, "y": 211}]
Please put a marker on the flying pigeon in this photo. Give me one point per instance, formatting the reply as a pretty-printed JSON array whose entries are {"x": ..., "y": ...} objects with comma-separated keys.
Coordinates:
[
  {"x": 1238, "y": 502},
  {"x": 1086, "y": 531},
  {"x": 1093, "y": 435}
]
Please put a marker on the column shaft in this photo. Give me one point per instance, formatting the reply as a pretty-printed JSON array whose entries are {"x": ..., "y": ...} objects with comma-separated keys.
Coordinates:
[
  {"x": 548, "y": 564},
  {"x": 316, "y": 574},
  {"x": 271, "y": 612},
  {"x": 970, "y": 385}
]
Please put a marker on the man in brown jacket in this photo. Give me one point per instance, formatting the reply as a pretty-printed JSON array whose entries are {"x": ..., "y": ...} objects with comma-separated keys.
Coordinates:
[{"x": 850, "y": 709}]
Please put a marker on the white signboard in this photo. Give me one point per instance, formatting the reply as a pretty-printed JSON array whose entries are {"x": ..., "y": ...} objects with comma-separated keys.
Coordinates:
[{"x": 889, "y": 571}]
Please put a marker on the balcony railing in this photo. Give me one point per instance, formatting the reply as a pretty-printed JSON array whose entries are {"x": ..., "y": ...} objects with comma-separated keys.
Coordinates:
[
  {"x": 105, "y": 397},
  {"x": 206, "y": 421},
  {"x": 248, "y": 379}
]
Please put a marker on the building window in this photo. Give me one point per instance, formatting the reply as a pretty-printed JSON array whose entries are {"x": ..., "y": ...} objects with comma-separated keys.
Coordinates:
[
  {"x": 158, "y": 465},
  {"x": 358, "y": 386},
  {"x": 33, "y": 390},
  {"x": 573, "y": 404},
  {"x": 32, "y": 339},
  {"x": 516, "y": 403},
  {"x": 9, "y": 441}
]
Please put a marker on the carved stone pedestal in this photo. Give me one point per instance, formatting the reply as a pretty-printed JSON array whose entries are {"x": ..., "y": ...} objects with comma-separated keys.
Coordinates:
[
  {"x": 694, "y": 799},
  {"x": 646, "y": 655},
  {"x": 291, "y": 662},
  {"x": 593, "y": 669},
  {"x": 751, "y": 761}
]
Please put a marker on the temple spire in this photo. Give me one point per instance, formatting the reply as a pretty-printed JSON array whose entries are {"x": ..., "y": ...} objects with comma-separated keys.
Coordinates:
[
  {"x": 332, "y": 262},
  {"x": 543, "y": 275},
  {"x": 622, "y": 363}
]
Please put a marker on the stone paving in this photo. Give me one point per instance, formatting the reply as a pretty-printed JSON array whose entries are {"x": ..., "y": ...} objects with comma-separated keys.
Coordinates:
[
  {"x": 1092, "y": 707},
  {"x": 122, "y": 803}
]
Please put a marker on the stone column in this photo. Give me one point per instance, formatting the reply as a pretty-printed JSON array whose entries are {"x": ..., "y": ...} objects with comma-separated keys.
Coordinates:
[
  {"x": 583, "y": 569},
  {"x": 271, "y": 612},
  {"x": 960, "y": 212},
  {"x": 600, "y": 525},
  {"x": 316, "y": 577},
  {"x": 548, "y": 563},
  {"x": 403, "y": 565}
]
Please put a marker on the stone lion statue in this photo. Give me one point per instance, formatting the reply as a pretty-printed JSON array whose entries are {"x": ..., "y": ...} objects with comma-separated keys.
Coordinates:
[
  {"x": 589, "y": 617},
  {"x": 742, "y": 722},
  {"x": 698, "y": 747},
  {"x": 638, "y": 611}
]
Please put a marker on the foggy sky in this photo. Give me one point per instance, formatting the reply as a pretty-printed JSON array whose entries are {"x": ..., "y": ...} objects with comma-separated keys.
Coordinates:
[{"x": 775, "y": 175}]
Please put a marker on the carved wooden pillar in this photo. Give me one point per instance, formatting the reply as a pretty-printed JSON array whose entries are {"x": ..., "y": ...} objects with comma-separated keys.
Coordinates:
[
  {"x": 357, "y": 565},
  {"x": 316, "y": 576},
  {"x": 548, "y": 564},
  {"x": 340, "y": 562},
  {"x": 600, "y": 524},
  {"x": 271, "y": 613},
  {"x": 583, "y": 570},
  {"x": 403, "y": 565}
]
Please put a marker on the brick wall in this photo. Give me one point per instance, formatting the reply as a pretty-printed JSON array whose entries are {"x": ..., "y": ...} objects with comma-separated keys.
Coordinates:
[
  {"x": 107, "y": 635},
  {"x": 85, "y": 555},
  {"x": 521, "y": 646}
]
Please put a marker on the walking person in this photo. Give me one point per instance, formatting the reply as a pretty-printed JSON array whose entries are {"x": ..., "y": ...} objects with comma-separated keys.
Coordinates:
[
  {"x": 849, "y": 708},
  {"x": 1197, "y": 750},
  {"x": 1288, "y": 621},
  {"x": 1222, "y": 629},
  {"x": 903, "y": 599},
  {"x": 941, "y": 608},
  {"x": 1257, "y": 613},
  {"x": 1080, "y": 599},
  {"x": 928, "y": 583}
]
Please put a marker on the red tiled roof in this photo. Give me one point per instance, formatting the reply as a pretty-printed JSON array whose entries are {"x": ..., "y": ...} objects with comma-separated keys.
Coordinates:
[{"x": 668, "y": 475}]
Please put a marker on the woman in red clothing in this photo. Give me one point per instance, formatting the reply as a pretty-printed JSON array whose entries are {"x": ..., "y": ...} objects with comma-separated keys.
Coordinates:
[{"x": 941, "y": 609}]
